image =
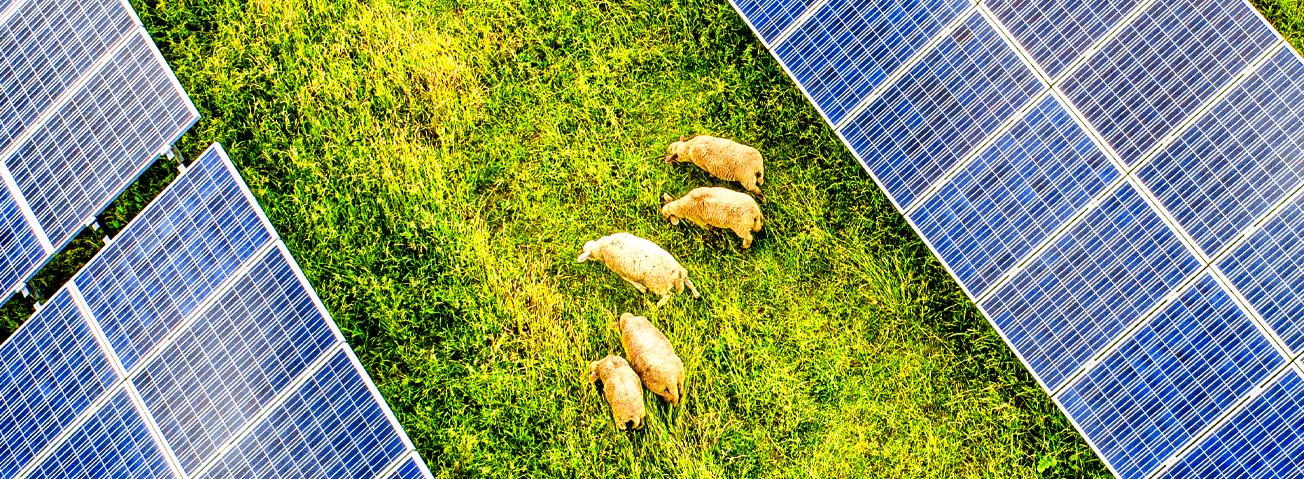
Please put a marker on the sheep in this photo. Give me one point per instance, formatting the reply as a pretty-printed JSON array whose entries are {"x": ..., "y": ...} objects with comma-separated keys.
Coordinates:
[
  {"x": 640, "y": 263},
  {"x": 652, "y": 357},
  {"x": 718, "y": 207},
  {"x": 617, "y": 382},
  {"x": 726, "y": 159}
]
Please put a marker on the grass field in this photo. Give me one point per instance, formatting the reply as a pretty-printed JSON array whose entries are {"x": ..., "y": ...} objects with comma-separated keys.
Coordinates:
[{"x": 436, "y": 166}]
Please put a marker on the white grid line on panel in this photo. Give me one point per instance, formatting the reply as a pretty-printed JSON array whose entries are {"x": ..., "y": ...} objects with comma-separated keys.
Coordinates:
[
  {"x": 173, "y": 463},
  {"x": 1089, "y": 51},
  {"x": 399, "y": 466},
  {"x": 78, "y": 300},
  {"x": 796, "y": 24},
  {"x": 258, "y": 208},
  {"x": 76, "y": 424}
]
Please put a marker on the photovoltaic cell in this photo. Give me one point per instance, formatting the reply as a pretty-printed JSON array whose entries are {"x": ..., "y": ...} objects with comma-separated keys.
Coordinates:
[
  {"x": 1162, "y": 66},
  {"x": 771, "y": 17},
  {"x": 1179, "y": 371},
  {"x": 53, "y": 371},
  {"x": 849, "y": 47},
  {"x": 228, "y": 365},
  {"x": 1268, "y": 269},
  {"x": 941, "y": 110},
  {"x": 1239, "y": 159},
  {"x": 331, "y": 425},
  {"x": 409, "y": 470},
  {"x": 1034, "y": 178},
  {"x": 1263, "y": 441},
  {"x": 22, "y": 252},
  {"x": 1057, "y": 33},
  {"x": 171, "y": 257},
  {"x": 112, "y": 443},
  {"x": 1081, "y": 292},
  {"x": 45, "y": 47},
  {"x": 93, "y": 146}
]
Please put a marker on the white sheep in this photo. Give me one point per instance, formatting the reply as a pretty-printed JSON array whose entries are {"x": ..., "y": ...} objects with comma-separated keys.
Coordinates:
[
  {"x": 617, "y": 382},
  {"x": 641, "y": 263},
  {"x": 726, "y": 159},
  {"x": 718, "y": 207},
  {"x": 652, "y": 357}
]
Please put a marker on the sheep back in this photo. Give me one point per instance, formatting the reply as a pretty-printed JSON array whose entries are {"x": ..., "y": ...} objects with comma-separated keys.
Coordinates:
[
  {"x": 640, "y": 261},
  {"x": 619, "y": 384},
  {"x": 652, "y": 357}
]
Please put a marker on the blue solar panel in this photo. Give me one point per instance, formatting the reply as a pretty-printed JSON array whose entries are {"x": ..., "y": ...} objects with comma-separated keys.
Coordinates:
[
  {"x": 20, "y": 250},
  {"x": 172, "y": 256},
  {"x": 849, "y": 47},
  {"x": 45, "y": 46},
  {"x": 1180, "y": 370},
  {"x": 112, "y": 443},
  {"x": 1268, "y": 269},
  {"x": 332, "y": 426},
  {"x": 941, "y": 109},
  {"x": 1057, "y": 33},
  {"x": 1081, "y": 292},
  {"x": 94, "y": 145},
  {"x": 1033, "y": 179},
  {"x": 1243, "y": 156},
  {"x": 1263, "y": 441},
  {"x": 771, "y": 17},
  {"x": 1162, "y": 66},
  {"x": 224, "y": 368},
  {"x": 411, "y": 469},
  {"x": 53, "y": 371}
]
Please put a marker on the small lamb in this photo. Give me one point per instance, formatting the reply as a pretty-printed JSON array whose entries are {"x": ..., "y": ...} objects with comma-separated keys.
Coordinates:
[
  {"x": 622, "y": 388},
  {"x": 718, "y": 207},
  {"x": 726, "y": 159},
  {"x": 641, "y": 263},
  {"x": 652, "y": 357}
]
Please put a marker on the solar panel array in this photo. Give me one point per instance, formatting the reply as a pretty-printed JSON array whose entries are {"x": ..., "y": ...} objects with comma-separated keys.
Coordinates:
[
  {"x": 86, "y": 104},
  {"x": 193, "y": 346},
  {"x": 1115, "y": 183}
]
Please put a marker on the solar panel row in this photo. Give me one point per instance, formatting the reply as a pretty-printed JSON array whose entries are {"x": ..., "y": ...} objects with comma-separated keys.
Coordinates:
[
  {"x": 1126, "y": 231},
  {"x": 86, "y": 103},
  {"x": 237, "y": 369}
]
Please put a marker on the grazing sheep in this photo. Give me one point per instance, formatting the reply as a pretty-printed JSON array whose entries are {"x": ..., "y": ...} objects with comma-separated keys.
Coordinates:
[
  {"x": 726, "y": 159},
  {"x": 718, "y": 207},
  {"x": 622, "y": 388},
  {"x": 641, "y": 263},
  {"x": 652, "y": 357}
]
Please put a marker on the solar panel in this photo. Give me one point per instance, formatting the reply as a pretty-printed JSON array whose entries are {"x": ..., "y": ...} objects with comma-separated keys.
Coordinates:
[
  {"x": 20, "y": 251},
  {"x": 156, "y": 272},
  {"x": 771, "y": 17},
  {"x": 1263, "y": 440},
  {"x": 240, "y": 373},
  {"x": 1162, "y": 66},
  {"x": 1074, "y": 216},
  {"x": 91, "y": 147},
  {"x": 1170, "y": 379},
  {"x": 941, "y": 109},
  {"x": 54, "y": 369},
  {"x": 850, "y": 47},
  {"x": 1033, "y": 179},
  {"x": 1080, "y": 293},
  {"x": 219, "y": 372},
  {"x": 1239, "y": 159},
  {"x": 332, "y": 426},
  {"x": 1055, "y": 33},
  {"x": 1268, "y": 270},
  {"x": 45, "y": 47},
  {"x": 113, "y": 443}
]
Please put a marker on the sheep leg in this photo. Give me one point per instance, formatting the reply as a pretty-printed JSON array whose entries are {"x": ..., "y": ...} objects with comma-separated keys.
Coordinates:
[
  {"x": 689, "y": 282},
  {"x": 665, "y": 298},
  {"x": 639, "y": 287},
  {"x": 745, "y": 235}
]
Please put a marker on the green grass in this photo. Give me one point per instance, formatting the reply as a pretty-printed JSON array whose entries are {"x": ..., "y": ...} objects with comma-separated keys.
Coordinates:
[{"x": 436, "y": 166}]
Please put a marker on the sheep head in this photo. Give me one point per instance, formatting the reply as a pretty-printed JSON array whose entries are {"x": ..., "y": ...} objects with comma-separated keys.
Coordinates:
[
  {"x": 587, "y": 252},
  {"x": 674, "y": 151},
  {"x": 666, "y": 211}
]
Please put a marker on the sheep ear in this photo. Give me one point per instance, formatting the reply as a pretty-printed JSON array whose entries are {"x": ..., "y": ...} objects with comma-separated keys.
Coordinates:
[
  {"x": 593, "y": 373},
  {"x": 583, "y": 257},
  {"x": 674, "y": 220},
  {"x": 672, "y": 157},
  {"x": 666, "y": 198}
]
